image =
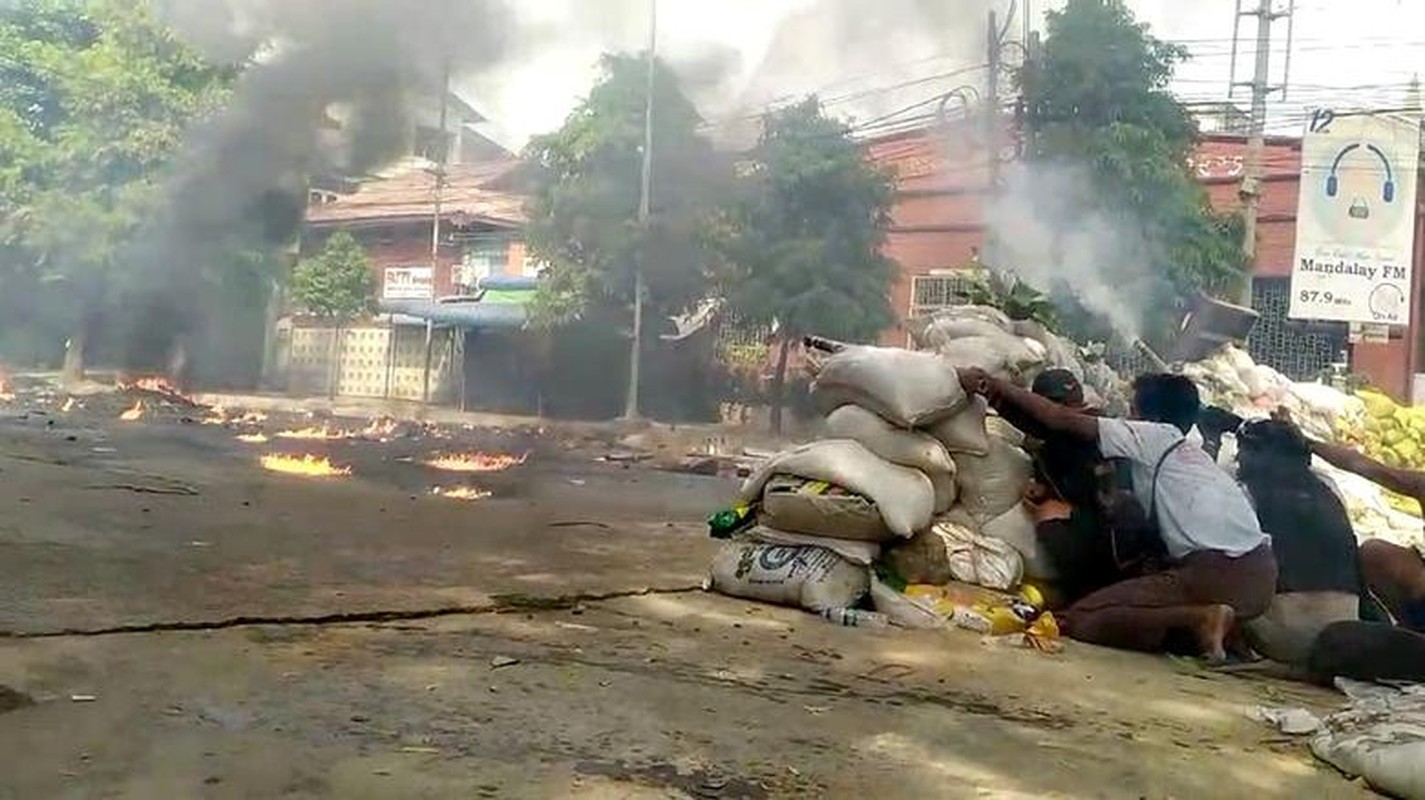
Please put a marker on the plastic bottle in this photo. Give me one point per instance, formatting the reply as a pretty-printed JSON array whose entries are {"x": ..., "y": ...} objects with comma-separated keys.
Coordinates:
[
  {"x": 856, "y": 618},
  {"x": 725, "y": 523}
]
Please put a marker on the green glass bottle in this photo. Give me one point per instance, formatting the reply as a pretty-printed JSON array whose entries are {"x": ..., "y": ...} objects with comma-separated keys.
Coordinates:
[{"x": 729, "y": 521}]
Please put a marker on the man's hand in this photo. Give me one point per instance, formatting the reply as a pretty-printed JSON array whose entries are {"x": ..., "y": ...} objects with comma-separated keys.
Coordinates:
[{"x": 975, "y": 380}]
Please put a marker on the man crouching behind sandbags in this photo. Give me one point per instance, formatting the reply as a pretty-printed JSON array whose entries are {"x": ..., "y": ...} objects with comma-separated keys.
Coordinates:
[{"x": 1221, "y": 570}]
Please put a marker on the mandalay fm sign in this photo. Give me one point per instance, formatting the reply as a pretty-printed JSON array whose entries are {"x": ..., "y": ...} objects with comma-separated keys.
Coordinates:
[{"x": 1355, "y": 219}]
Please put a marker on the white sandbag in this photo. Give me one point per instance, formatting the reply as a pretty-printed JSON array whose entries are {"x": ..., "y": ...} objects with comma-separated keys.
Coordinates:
[
  {"x": 946, "y": 492},
  {"x": 903, "y": 611},
  {"x": 965, "y": 431},
  {"x": 993, "y": 483},
  {"x": 998, "y": 426},
  {"x": 1016, "y": 528},
  {"x": 1287, "y": 630},
  {"x": 896, "y": 445},
  {"x": 1004, "y": 356},
  {"x": 905, "y": 496},
  {"x": 988, "y": 314},
  {"x": 980, "y": 560},
  {"x": 813, "y": 578},
  {"x": 817, "y": 508},
  {"x": 1380, "y": 737},
  {"x": 939, "y": 332},
  {"x": 923, "y": 559},
  {"x": 908, "y": 389},
  {"x": 859, "y": 553}
]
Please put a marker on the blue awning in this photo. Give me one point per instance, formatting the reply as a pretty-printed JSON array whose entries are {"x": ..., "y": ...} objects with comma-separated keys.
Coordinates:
[{"x": 474, "y": 316}]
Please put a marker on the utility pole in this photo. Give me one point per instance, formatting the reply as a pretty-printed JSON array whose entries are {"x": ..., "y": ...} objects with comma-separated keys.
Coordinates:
[
  {"x": 440, "y": 157},
  {"x": 1261, "y": 88},
  {"x": 645, "y": 191},
  {"x": 992, "y": 120}
]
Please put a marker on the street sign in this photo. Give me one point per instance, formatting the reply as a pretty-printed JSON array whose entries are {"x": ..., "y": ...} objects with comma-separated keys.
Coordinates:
[
  {"x": 1355, "y": 219},
  {"x": 408, "y": 283}
]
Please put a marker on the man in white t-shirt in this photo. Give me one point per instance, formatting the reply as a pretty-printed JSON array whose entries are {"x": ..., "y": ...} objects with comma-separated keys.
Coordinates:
[{"x": 1222, "y": 570}]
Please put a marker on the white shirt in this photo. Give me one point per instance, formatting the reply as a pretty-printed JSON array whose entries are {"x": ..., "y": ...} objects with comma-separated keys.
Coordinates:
[{"x": 1199, "y": 506}]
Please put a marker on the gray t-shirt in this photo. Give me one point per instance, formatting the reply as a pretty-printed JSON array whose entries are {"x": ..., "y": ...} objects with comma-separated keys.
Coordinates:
[{"x": 1199, "y": 506}]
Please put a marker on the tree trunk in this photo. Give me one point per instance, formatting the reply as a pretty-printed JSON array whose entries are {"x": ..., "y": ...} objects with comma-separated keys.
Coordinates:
[
  {"x": 779, "y": 385},
  {"x": 73, "y": 371}
]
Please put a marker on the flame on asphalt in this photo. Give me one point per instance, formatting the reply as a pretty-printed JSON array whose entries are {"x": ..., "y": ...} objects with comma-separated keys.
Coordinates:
[
  {"x": 476, "y": 462},
  {"x": 252, "y": 438},
  {"x": 466, "y": 493},
  {"x": 307, "y": 465},
  {"x": 382, "y": 429},
  {"x": 134, "y": 413},
  {"x": 313, "y": 434},
  {"x": 157, "y": 385},
  {"x": 68, "y": 405}
]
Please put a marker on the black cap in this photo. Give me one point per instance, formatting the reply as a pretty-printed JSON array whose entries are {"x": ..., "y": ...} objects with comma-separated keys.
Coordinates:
[{"x": 1060, "y": 386}]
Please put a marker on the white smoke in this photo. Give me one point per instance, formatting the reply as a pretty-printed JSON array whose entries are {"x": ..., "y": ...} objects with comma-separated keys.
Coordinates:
[{"x": 1049, "y": 228}]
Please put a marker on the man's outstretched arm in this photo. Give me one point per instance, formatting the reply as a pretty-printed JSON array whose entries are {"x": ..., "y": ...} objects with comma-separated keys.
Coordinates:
[
  {"x": 1403, "y": 481},
  {"x": 1005, "y": 395}
]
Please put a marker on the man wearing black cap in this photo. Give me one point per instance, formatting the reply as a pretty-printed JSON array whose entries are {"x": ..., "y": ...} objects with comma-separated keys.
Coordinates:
[{"x": 1093, "y": 529}]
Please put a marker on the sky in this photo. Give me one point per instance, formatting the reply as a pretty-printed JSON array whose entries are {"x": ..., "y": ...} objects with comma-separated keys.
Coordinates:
[{"x": 1361, "y": 53}]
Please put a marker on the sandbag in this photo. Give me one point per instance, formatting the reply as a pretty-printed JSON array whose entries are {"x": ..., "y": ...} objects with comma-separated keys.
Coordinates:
[
  {"x": 993, "y": 483},
  {"x": 1004, "y": 356},
  {"x": 998, "y": 426},
  {"x": 937, "y": 333},
  {"x": 923, "y": 559},
  {"x": 857, "y": 552},
  {"x": 816, "y": 508},
  {"x": 946, "y": 492},
  {"x": 896, "y": 445},
  {"x": 1016, "y": 528},
  {"x": 1294, "y": 620},
  {"x": 903, "y": 611},
  {"x": 904, "y": 496},
  {"x": 964, "y": 432},
  {"x": 981, "y": 560},
  {"x": 1380, "y": 737},
  {"x": 908, "y": 389},
  {"x": 813, "y": 578}
]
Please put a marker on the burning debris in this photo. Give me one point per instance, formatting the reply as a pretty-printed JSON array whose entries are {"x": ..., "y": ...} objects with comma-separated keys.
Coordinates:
[
  {"x": 322, "y": 433},
  {"x": 68, "y": 405},
  {"x": 7, "y": 394},
  {"x": 252, "y": 438},
  {"x": 309, "y": 466},
  {"x": 134, "y": 413},
  {"x": 159, "y": 386},
  {"x": 476, "y": 462},
  {"x": 465, "y": 493},
  {"x": 382, "y": 429}
]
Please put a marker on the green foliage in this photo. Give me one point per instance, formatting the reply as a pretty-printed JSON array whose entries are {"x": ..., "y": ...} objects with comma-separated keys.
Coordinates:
[
  {"x": 95, "y": 97},
  {"x": 1017, "y": 299},
  {"x": 338, "y": 283},
  {"x": 1098, "y": 98},
  {"x": 801, "y": 243},
  {"x": 584, "y": 198}
]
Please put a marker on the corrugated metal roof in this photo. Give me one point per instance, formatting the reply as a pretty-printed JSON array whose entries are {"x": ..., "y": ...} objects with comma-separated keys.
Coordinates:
[{"x": 467, "y": 197}]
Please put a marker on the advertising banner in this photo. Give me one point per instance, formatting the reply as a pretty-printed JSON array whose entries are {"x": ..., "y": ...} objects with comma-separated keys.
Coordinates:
[
  {"x": 1355, "y": 219},
  {"x": 408, "y": 283}
]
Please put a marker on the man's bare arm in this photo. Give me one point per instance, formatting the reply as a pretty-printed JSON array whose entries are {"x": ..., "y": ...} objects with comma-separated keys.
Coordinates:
[
  {"x": 1404, "y": 481},
  {"x": 1047, "y": 413}
]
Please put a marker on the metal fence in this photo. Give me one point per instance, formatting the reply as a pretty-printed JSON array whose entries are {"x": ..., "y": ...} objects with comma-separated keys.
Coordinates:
[{"x": 1299, "y": 350}]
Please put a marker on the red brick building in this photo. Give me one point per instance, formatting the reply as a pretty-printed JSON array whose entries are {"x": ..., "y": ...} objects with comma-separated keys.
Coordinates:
[{"x": 938, "y": 226}]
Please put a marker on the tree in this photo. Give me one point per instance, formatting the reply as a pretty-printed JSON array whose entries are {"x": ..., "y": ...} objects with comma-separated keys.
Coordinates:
[
  {"x": 801, "y": 244},
  {"x": 584, "y": 199},
  {"x": 1098, "y": 98},
  {"x": 95, "y": 97},
  {"x": 338, "y": 284}
]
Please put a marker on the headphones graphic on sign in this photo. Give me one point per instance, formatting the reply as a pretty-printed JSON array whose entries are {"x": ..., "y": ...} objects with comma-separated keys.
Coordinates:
[{"x": 1387, "y": 190}]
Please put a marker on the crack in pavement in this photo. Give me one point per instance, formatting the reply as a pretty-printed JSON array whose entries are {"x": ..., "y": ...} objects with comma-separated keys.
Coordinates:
[{"x": 499, "y": 604}]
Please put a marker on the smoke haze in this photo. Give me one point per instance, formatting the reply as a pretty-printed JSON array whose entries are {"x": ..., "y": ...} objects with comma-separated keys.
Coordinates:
[{"x": 1048, "y": 229}]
